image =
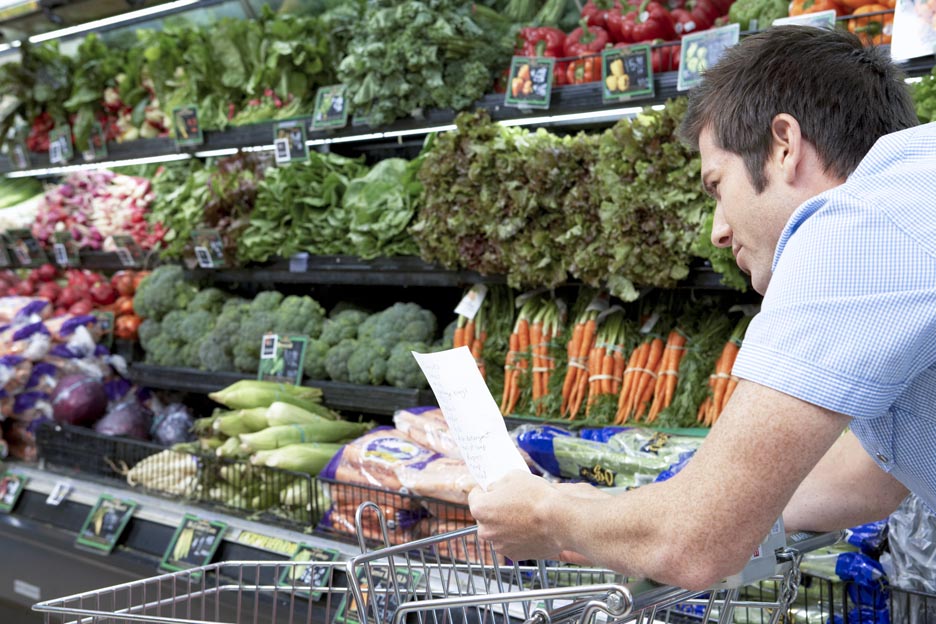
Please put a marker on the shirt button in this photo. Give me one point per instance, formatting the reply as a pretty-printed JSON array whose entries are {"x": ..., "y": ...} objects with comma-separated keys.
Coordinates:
[{"x": 882, "y": 458}]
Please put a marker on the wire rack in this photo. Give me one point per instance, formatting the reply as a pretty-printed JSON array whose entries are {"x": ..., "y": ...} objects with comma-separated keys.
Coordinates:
[{"x": 277, "y": 496}]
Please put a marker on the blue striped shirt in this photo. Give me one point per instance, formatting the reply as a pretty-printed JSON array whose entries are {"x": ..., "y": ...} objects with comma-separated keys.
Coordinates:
[{"x": 849, "y": 319}]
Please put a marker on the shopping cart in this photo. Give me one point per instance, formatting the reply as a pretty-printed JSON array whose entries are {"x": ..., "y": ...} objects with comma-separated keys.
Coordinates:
[{"x": 453, "y": 578}]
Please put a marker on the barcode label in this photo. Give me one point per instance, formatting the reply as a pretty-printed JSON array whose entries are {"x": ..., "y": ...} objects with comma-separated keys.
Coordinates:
[{"x": 203, "y": 256}]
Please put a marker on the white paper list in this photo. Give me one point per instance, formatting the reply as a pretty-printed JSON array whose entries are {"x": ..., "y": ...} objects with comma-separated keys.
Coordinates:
[{"x": 471, "y": 413}]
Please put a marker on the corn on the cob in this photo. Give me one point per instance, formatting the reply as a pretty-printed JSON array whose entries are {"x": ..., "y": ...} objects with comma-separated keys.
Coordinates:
[
  {"x": 167, "y": 471},
  {"x": 241, "y": 421},
  {"x": 231, "y": 449},
  {"x": 281, "y": 413},
  {"x": 323, "y": 431},
  {"x": 310, "y": 457},
  {"x": 298, "y": 494},
  {"x": 247, "y": 394}
]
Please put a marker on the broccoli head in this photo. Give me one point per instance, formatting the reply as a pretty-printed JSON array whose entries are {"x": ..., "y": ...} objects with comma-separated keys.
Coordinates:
[
  {"x": 196, "y": 325},
  {"x": 247, "y": 348},
  {"x": 228, "y": 325},
  {"x": 163, "y": 291},
  {"x": 316, "y": 351},
  {"x": 266, "y": 301},
  {"x": 214, "y": 354},
  {"x": 148, "y": 330},
  {"x": 342, "y": 325},
  {"x": 343, "y": 306},
  {"x": 448, "y": 335},
  {"x": 299, "y": 315},
  {"x": 210, "y": 300},
  {"x": 402, "y": 369},
  {"x": 173, "y": 323},
  {"x": 401, "y": 322},
  {"x": 164, "y": 351},
  {"x": 189, "y": 354},
  {"x": 336, "y": 362},
  {"x": 368, "y": 363}
]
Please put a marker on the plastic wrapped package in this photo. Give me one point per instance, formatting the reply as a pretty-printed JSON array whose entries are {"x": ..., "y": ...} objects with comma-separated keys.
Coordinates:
[
  {"x": 21, "y": 441},
  {"x": 28, "y": 406},
  {"x": 464, "y": 550},
  {"x": 442, "y": 478},
  {"x": 400, "y": 522},
  {"x": 31, "y": 341},
  {"x": 62, "y": 328},
  {"x": 13, "y": 310},
  {"x": 173, "y": 424},
  {"x": 609, "y": 456},
  {"x": 42, "y": 378},
  {"x": 910, "y": 562},
  {"x": 15, "y": 371},
  {"x": 427, "y": 426}
]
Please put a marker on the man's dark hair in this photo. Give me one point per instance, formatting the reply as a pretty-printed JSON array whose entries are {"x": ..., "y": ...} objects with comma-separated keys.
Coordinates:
[{"x": 843, "y": 95}]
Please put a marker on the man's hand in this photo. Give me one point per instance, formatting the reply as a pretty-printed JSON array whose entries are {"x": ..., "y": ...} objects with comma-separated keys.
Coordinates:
[{"x": 514, "y": 515}]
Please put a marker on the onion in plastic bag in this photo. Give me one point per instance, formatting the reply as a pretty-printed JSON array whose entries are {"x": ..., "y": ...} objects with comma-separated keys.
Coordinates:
[
  {"x": 173, "y": 425},
  {"x": 128, "y": 419}
]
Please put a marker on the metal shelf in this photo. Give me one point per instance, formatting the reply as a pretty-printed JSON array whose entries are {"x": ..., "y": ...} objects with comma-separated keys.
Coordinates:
[{"x": 381, "y": 400}]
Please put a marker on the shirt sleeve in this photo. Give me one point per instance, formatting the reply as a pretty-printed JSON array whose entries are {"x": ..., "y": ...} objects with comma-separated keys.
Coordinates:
[{"x": 849, "y": 318}]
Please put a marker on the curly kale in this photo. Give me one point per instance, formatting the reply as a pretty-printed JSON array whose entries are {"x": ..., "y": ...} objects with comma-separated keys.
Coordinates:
[
  {"x": 342, "y": 325},
  {"x": 163, "y": 291},
  {"x": 368, "y": 363},
  {"x": 316, "y": 352},
  {"x": 336, "y": 362}
]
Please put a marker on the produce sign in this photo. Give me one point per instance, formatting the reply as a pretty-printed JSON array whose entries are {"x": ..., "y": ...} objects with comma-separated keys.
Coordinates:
[
  {"x": 11, "y": 488},
  {"x": 311, "y": 576},
  {"x": 702, "y": 50},
  {"x": 97, "y": 143},
  {"x": 912, "y": 33},
  {"x": 289, "y": 141},
  {"x": 105, "y": 523},
  {"x": 282, "y": 358},
  {"x": 530, "y": 84},
  {"x": 188, "y": 130},
  {"x": 106, "y": 324},
  {"x": 65, "y": 250},
  {"x": 25, "y": 248},
  {"x": 128, "y": 252},
  {"x": 626, "y": 73},
  {"x": 389, "y": 589},
  {"x": 193, "y": 544},
  {"x": 60, "y": 145},
  {"x": 209, "y": 248},
  {"x": 822, "y": 19},
  {"x": 330, "y": 108}
]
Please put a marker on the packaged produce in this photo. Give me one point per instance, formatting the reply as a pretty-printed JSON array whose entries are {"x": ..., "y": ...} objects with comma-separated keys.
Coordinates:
[
  {"x": 127, "y": 419},
  {"x": 173, "y": 424},
  {"x": 427, "y": 427}
]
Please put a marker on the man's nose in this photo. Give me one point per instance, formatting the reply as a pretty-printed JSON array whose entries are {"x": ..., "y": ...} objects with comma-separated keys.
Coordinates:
[{"x": 721, "y": 231}]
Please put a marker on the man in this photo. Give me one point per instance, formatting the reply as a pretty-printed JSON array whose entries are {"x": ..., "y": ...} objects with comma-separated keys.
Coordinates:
[{"x": 839, "y": 233}]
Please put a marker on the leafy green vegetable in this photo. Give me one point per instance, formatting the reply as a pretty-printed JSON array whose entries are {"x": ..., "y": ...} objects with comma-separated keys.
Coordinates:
[
  {"x": 924, "y": 96},
  {"x": 721, "y": 258},
  {"x": 381, "y": 205}
]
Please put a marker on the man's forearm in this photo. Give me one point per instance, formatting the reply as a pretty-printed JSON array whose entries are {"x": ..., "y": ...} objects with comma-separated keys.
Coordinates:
[{"x": 845, "y": 489}]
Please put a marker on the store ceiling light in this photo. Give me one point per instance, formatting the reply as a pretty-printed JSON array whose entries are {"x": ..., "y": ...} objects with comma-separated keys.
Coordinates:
[
  {"x": 109, "y": 164},
  {"x": 551, "y": 119},
  {"x": 111, "y": 21},
  {"x": 914, "y": 80}
]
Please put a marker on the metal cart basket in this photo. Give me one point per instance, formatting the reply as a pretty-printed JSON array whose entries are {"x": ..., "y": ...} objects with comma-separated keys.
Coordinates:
[{"x": 453, "y": 578}]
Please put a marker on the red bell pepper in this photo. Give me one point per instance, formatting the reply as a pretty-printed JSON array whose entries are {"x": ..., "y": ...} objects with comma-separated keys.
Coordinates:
[
  {"x": 704, "y": 13},
  {"x": 546, "y": 42},
  {"x": 650, "y": 21},
  {"x": 586, "y": 40},
  {"x": 685, "y": 22},
  {"x": 596, "y": 12}
]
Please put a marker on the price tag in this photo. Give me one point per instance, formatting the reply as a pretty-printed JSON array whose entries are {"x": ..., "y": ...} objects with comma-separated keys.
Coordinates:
[
  {"x": 471, "y": 302},
  {"x": 11, "y": 488},
  {"x": 19, "y": 155},
  {"x": 282, "y": 358},
  {"x": 380, "y": 600},
  {"x": 209, "y": 249},
  {"x": 60, "y": 145},
  {"x": 59, "y": 493},
  {"x": 299, "y": 263},
  {"x": 530, "y": 84},
  {"x": 65, "y": 250},
  {"x": 289, "y": 141},
  {"x": 127, "y": 250},
  {"x": 822, "y": 19},
  {"x": 331, "y": 110},
  {"x": 185, "y": 124},
  {"x": 194, "y": 544},
  {"x": 600, "y": 303},
  {"x": 25, "y": 248},
  {"x": 105, "y": 523},
  {"x": 311, "y": 576},
  {"x": 626, "y": 73},
  {"x": 105, "y": 321},
  {"x": 702, "y": 50},
  {"x": 650, "y": 323},
  {"x": 913, "y": 33},
  {"x": 97, "y": 144}
]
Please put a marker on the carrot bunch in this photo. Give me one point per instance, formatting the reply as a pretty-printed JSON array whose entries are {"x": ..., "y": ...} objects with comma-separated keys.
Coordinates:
[
  {"x": 471, "y": 333},
  {"x": 722, "y": 383},
  {"x": 643, "y": 368},
  {"x": 575, "y": 385},
  {"x": 544, "y": 329},
  {"x": 517, "y": 362},
  {"x": 606, "y": 361},
  {"x": 668, "y": 376}
]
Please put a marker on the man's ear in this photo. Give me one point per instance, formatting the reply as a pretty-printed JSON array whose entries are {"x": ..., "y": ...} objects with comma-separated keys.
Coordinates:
[{"x": 787, "y": 146}]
